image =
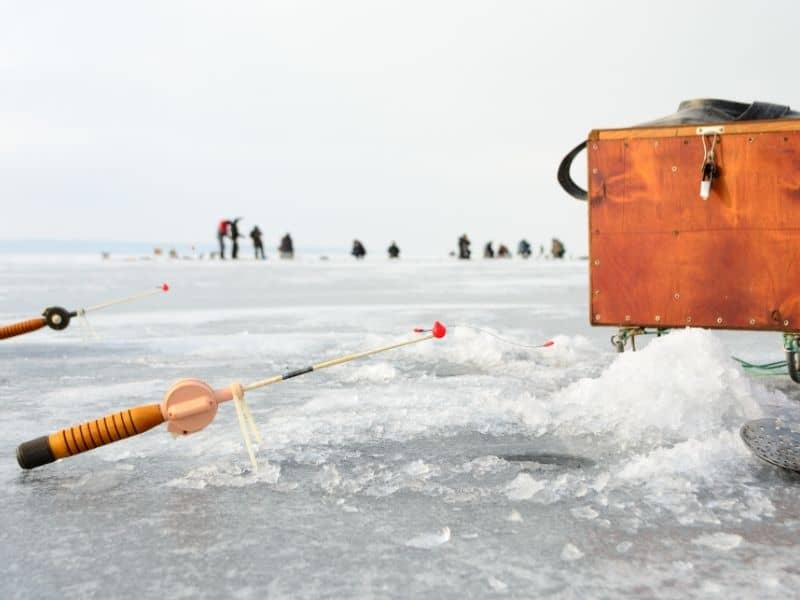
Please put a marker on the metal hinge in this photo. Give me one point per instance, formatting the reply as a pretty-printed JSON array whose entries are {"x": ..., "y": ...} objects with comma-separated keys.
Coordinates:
[{"x": 711, "y": 130}]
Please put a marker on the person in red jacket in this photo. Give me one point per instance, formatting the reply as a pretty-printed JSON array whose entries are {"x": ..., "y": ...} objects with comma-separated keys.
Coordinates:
[{"x": 222, "y": 233}]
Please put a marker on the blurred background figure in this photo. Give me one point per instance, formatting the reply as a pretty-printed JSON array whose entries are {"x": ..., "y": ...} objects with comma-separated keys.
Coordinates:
[
  {"x": 233, "y": 231},
  {"x": 488, "y": 251},
  {"x": 394, "y": 251},
  {"x": 358, "y": 250},
  {"x": 557, "y": 248},
  {"x": 222, "y": 232},
  {"x": 286, "y": 248},
  {"x": 524, "y": 248},
  {"x": 503, "y": 251},
  {"x": 463, "y": 247},
  {"x": 258, "y": 245}
]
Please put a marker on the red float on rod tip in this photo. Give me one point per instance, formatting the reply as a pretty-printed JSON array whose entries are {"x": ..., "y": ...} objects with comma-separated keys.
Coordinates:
[
  {"x": 165, "y": 286},
  {"x": 439, "y": 330}
]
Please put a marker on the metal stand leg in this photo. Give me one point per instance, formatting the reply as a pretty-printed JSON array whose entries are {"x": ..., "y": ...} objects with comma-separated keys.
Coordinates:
[{"x": 790, "y": 344}]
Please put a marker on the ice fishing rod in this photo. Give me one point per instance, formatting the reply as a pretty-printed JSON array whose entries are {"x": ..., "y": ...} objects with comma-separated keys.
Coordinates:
[
  {"x": 58, "y": 318},
  {"x": 188, "y": 406}
]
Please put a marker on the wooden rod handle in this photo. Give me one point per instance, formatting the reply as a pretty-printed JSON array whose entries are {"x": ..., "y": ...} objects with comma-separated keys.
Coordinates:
[
  {"x": 89, "y": 435},
  {"x": 7, "y": 331}
]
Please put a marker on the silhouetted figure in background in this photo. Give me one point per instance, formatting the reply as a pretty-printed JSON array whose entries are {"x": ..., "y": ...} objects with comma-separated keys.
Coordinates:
[
  {"x": 234, "y": 233},
  {"x": 394, "y": 251},
  {"x": 488, "y": 251},
  {"x": 503, "y": 251},
  {"x": 258, "y": 245},
  {"x": 524, "y": 248},
  {"x": 358, "y": 250},
  {"x": 222, "y": 231},
  {"x": 557, "y": 248},
  {"x": 286, "y": 249},
  {"x": 463, "y": 247}
]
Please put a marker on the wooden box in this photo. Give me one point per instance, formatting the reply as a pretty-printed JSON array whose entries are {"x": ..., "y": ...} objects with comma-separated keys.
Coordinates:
[{"x": 662, "y": 256}]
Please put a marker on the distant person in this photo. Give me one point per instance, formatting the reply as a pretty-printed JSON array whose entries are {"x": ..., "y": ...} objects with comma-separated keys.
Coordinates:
[
  {"x": 488, "y": 251},
  {"x": 394, "y": 251},
  {"x": 234, "y": 235},
  {"x": 358, "y": 250},
  {"x": 286, "y": 248},
  {"x": 222, "y": 233},
  {"x": 557, "y": 248},
  {"x": 463, "y": 247},
  {"x": 258, "y": 245},
  {"x": 524, "y": 248},
  {"x": 503, "y": 251}
]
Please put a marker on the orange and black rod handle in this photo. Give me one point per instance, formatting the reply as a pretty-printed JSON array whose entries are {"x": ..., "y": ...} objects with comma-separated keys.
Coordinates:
[
  {"x": 54, "y": 317},
  {"x": 7, "y": 331},
  {"x": 89, "y": 435}
]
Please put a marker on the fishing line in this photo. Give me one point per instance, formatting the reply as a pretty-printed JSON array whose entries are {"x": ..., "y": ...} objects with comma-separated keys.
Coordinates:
[{"x": 546, "y": 344}]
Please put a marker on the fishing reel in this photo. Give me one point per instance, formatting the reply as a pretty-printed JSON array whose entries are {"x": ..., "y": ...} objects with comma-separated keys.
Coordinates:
[{"x": 56, "y": 317}]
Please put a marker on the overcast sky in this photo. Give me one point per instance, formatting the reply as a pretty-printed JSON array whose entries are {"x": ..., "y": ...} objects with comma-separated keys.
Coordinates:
[{"x": 414, "y": 121}]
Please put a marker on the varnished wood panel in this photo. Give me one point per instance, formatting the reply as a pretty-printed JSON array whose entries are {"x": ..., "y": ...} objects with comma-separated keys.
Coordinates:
[
  {"x": 660, "y": 256},
  {"x": 731, "y": 127}
]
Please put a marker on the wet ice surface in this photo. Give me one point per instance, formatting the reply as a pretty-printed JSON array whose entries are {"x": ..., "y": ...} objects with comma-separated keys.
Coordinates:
[{"x": 455, "y": 468}]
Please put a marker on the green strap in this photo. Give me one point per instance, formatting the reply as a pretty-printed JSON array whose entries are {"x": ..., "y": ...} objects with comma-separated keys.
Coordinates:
[{"x": 773, "y": 368}]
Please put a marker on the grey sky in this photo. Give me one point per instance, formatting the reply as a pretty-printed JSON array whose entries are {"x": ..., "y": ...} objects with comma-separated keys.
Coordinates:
[{"x": 414, "y": 121}]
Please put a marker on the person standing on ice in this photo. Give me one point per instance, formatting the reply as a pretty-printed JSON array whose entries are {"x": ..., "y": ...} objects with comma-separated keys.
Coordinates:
[
  {"x": 394, "y": 250},
  {"x": 234, "y": 233},
  {"x": 222, "y": 232},
  {"x": 258, "y": 246},
  {"x": 463, "y": 247},
  {"x": 488, "y": 251}
]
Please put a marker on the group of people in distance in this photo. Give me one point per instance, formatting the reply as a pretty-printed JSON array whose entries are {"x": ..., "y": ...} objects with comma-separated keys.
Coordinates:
[
  {"x": 229, "y": 229},
  {"x": 557, "y": 249},
  {"x": 359, "y": 251}
]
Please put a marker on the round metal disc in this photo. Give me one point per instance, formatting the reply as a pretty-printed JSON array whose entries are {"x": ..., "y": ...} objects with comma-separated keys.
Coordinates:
[{"x": 775, "y": 441}]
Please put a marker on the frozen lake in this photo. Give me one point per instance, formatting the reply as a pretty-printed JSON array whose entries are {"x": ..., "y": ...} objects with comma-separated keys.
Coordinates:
[{"x": 463, "y": 467}]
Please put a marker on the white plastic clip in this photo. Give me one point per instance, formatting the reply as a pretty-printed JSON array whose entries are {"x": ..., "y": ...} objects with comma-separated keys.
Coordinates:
[
  {"x": 247, "y": 425},
  {"x": 705, "y": 189},
  {"x": 708, "y": 168}
]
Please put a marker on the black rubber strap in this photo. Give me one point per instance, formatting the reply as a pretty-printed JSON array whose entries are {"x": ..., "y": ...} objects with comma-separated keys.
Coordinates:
[
  {"x": 758, "y": 111},
  {"x": 564, "y": 177}
]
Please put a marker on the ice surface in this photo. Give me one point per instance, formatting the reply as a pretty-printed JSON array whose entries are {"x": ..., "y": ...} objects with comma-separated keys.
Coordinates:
[
  {"x": 463, "y": 467},
  {"x": 430, "y": 540}
]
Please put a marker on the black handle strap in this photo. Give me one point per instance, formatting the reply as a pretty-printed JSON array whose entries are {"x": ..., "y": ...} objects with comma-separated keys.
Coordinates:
[{"x": 564, "y": 177}]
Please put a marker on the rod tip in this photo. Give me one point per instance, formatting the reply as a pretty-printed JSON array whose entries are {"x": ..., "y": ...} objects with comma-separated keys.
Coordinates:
[{"x": 438, "y": 330}]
